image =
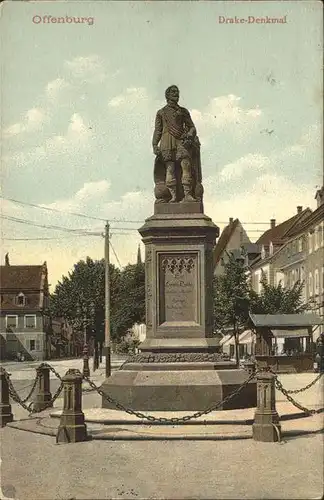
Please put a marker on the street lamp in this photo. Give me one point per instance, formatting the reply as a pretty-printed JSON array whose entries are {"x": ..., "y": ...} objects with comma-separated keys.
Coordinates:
[{"x": 85, "y": 352}]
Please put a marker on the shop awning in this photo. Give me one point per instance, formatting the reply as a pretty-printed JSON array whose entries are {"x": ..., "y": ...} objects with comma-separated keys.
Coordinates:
[
  {"x": 302, "y": 332},
  {"x": 224, "y": 340},
  {"x": 246, "y": 337}
]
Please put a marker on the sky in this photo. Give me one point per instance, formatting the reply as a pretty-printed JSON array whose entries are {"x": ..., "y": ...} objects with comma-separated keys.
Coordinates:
[{"x": 78, "y": 104}]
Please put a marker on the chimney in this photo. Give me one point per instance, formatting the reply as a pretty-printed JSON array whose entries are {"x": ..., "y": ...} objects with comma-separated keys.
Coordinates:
[
  {"x": 231, "y": 220},
  {"x": 272, "y": 223},
  {"x": 299, "y": 209}
]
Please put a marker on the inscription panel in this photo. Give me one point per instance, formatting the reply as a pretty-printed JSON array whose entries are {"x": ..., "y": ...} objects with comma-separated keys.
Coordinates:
[{"x": 178, "y": 288}]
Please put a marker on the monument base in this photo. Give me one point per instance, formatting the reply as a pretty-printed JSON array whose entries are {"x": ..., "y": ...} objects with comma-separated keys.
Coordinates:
[{"x": 176, "y": 389}]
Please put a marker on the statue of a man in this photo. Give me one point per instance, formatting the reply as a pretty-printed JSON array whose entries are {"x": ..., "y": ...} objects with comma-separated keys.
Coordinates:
[{"x": 177, "y": 169}]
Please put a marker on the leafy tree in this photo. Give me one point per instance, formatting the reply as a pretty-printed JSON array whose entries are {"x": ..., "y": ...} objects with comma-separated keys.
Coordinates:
[
  {"x": 75, "y": 293},
  {"x": 83, "y": 288},
  {"x": 277, "y": 299},
  {"x": 131, "y": 300},
  {"x": 231, "y": 299}
]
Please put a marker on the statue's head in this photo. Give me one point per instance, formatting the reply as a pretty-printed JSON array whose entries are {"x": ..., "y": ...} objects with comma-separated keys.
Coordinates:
[{"x": 172, "y": 93}]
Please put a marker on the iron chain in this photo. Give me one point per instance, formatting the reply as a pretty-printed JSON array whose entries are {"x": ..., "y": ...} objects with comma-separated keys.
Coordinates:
[
  {"x": 22, "y": 402},
  {"x": 313, "y": 382},
  {"x": 280, "y": 387},
  {"x": 32, "y": 389},
  {"x": 46, "y": 365},
  {"x": 173, "y": 420}
]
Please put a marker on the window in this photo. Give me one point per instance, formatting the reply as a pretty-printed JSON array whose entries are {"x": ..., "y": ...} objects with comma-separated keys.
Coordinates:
[
  {"x": 30, "y": 321},
  {"x": 297, "y": 275},
  {"x": 11, "y": 321},
  {"x": 310, "y": 243},
  {"x": 319, "y": 236},
  {"x": 271, "y": 248},
  {"x": 310, "y": 284},
  {"x": 34, "y": 345},
  {"x": 302, "y": 274},
  {"x": 316, "y": 282},
  {"x": 300, "y": 245},
  {"x": 20, "y": 299}
]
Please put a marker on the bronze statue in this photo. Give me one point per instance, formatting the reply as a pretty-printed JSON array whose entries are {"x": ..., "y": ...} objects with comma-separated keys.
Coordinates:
[{"x": 177, "y": 167}]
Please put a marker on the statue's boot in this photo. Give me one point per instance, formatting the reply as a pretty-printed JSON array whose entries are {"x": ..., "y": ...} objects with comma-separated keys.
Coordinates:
[
  {"x": 173, "y": 193},
  {"x": 187, "y": 194}
]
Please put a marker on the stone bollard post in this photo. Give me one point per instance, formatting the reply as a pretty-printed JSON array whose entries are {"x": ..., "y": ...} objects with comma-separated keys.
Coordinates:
[
  {"x": 72, "y": 428},
  {"x": 42, "y": 394},
  {"x": 5, "y": 407},
  {"x": 266, "y": 426}
]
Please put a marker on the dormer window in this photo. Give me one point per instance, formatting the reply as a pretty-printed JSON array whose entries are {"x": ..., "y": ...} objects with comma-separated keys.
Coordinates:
[
  {"x": 263, "y": 252},
  {"x": 20, "y": 299},
  {"x": 271, "y": 248}
]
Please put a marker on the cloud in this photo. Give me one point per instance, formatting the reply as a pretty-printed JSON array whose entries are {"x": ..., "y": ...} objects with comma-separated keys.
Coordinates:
[
  {"x": 250, "y": 163},
  {"x": 90, "y": 191},
  {"x": 77, "y": 139},
  {"x": 31, "y": 122},
  {"x": 224, "y": 110},
  {"x": 131, "y": 96},
  {"x": 259, "y": 202},
  {"x": 54, "y": 88},
  {"x": 88, "y": 68}
]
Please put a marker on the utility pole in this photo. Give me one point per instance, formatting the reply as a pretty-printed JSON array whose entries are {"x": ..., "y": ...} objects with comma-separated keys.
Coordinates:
[{"x": 107, "y": 304}]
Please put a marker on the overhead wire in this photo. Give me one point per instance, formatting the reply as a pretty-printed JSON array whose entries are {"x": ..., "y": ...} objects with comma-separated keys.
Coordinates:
[{"x": 77, "y": 214}]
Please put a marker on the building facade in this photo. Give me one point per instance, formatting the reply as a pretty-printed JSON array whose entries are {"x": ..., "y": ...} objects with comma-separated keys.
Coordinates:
[
  {"x": 277, "y": 252},
  {"x": 25, "y": 325},
  {"x": 233, "y": 239},
  {"x": 297, "y": 254}
]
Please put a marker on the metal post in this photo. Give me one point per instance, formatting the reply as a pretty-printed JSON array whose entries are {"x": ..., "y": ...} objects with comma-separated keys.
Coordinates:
[
  {"x": 86, "y": 369},
  {"x": 72, "y": 427},
  {"x": 5, "y": 407},
  {"x": 266, "y": 425},
  {"x": 107, "y": 304},
  {"x": 42, "y": 395}
]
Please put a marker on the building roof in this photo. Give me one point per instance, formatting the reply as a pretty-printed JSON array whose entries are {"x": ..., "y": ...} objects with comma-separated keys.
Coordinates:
[
  {"x": 312, "y": 219},
  {"x": 22, "y": 278},
  {"x": 224, "y": 239},
  {"x": 278, "y": 233},
  {"x": 286, "y": 320}
]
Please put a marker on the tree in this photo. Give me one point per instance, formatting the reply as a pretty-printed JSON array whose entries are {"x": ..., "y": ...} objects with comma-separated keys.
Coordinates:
[
  {"x": 82, "y": 287},
  {"x": 277, "y": 299},
  {"x": 86, "y": 284},
  {"x": 231, "y": 299},
  {"x": 131, "y": 300}
]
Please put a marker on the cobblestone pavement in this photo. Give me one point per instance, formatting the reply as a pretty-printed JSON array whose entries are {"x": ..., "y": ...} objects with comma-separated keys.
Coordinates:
[{"x": 34, "y": 468}]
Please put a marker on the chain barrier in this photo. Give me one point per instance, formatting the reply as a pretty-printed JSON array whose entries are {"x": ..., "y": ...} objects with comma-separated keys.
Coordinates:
[
  {"x": 173, "y": 420},
  {"x": 313, "y": 382},
  {"x": 32, "y": 389},
  {"x": 22, "y": 402},
  {"x": 313, "y": 411},
  {"x": 46, "y": 365}
]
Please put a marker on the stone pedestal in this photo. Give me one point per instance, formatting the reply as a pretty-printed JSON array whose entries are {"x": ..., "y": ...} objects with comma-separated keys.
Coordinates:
[
  {"x": 266, "y": 425},
  {"x": 6, "y": 415},
  {"x": 72, "y": 428},
  {"x": 43, "y": 395},
  {"x": 179, "y": 241}
]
